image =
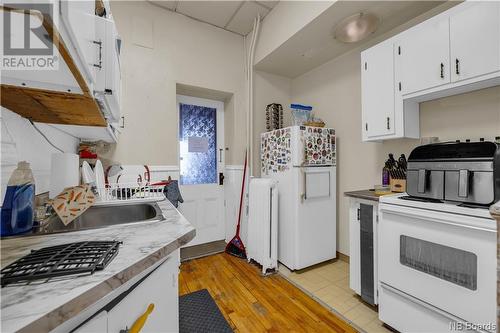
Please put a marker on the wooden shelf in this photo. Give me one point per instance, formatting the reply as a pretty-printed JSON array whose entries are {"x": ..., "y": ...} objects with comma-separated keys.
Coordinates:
[
  {"x": 52, "y": 107},
  {"x": 55, "y": 107}
]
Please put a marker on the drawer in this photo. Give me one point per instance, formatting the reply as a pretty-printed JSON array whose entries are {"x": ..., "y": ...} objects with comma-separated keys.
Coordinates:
[
  {"x": 425, "y": 183},
  {"x": 469, "y": 186}
]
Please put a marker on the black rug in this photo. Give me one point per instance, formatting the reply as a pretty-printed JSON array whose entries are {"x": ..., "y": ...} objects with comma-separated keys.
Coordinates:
[{"x": 198, "y": 312}]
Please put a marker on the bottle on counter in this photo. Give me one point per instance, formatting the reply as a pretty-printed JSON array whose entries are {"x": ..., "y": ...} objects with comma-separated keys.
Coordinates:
[
  {"x": 18, "y": 208},
  {"x": 390, "y": 164},
  {"x": 385, "y": 174}
]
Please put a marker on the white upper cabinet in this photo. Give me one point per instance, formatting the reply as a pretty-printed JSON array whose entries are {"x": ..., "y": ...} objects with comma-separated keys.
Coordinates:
[
  {"x": 79, "y": 18},
  {"x": 422, "y": 60},
  {"x": 377, "y": 73},
  {"x": 454, "y": 52},
  {"x": 475, "y": 39},
  {"x": 108, "y": 74}
]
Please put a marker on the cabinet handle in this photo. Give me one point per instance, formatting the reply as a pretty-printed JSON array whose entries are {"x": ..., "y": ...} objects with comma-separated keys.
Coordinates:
[
  {"x": 123, "y": 122},
  {"x": 399, "y": 84},
  {"x": 457, "y": 66},
  {"x": 442, "y": 71},
  {"x": 359, "y": 214},
  {"x": 388, "y": 123},
  {"x": 99, "y": 64},
  {"x": 139, "y": 323},
  {"x": 366, "y": 126}
]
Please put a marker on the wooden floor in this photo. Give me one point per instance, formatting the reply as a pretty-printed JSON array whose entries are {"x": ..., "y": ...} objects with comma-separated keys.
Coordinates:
[{"x": 252, "y": 303}]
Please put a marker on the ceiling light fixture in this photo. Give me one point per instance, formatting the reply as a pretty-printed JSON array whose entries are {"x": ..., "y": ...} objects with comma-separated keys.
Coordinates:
[{"x": 357, "y": 27}]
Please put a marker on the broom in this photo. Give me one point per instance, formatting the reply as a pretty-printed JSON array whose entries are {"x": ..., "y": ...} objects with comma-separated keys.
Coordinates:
[{"x": 235, "y": 247}]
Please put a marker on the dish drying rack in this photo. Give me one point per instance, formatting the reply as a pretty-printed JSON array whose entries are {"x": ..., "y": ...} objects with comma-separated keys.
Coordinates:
[{"x": 129, "y": 193}]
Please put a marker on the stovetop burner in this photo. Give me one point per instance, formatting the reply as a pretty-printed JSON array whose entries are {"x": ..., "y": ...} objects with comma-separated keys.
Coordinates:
[{"x": 61, "y": 260}]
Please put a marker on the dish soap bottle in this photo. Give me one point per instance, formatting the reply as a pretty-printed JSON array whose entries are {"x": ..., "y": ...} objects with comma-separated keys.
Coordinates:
[{"x": 17, "y": 211}]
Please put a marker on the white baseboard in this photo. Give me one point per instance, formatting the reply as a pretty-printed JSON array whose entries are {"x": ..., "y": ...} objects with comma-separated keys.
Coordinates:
[{"x": 162, "y": 172}]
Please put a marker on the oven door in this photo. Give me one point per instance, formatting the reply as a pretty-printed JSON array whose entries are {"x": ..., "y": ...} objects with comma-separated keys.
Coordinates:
[{"x": 445, "y": 260}]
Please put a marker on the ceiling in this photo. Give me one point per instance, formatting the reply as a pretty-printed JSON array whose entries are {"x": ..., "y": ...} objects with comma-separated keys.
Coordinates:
[
  {"x": 315, "y": 44},
  {"x": 234, "y": 16}
]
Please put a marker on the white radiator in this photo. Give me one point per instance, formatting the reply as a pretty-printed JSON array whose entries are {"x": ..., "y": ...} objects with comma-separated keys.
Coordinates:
[{"x": 263, "y": 223}]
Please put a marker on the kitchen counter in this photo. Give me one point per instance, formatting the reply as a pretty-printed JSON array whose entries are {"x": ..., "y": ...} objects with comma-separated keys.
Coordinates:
[
  {"x": 363, "y": 194},
  {"x": 42, "y": 306}
]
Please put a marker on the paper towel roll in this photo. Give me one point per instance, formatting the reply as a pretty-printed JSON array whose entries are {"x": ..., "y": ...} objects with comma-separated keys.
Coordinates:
[{"x": 64, "y": 172}]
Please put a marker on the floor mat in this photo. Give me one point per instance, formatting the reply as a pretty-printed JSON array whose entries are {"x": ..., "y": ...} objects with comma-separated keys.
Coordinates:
[{"x": 198, "y": 312}]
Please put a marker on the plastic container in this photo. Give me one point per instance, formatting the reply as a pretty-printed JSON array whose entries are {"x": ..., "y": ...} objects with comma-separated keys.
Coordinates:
[
  {"x": 18, "y": 207},
  {"x": 382, "y": 189},
  {"x": 300, "y": 113}
]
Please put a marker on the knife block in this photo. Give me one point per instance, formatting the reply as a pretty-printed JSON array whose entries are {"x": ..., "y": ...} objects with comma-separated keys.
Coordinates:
[{"x": 397, "y": 185}]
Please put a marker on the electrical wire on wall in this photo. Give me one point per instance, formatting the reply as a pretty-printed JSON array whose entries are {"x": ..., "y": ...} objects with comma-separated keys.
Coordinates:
[{"x": 45, "y": 137}]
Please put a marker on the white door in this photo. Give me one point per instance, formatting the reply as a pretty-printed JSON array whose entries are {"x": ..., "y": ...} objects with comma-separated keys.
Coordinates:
[
  {"x": 422, "y": 57},
  {"x": 201, "y": 159},
  {"x": 377, "y": 80},
  {"x": 316, "y": 222},
  {"x": 475, "y": 39}
]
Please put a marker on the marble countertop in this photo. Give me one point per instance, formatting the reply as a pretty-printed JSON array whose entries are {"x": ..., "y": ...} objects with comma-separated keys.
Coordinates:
[
  {"x": 363, "y": 194},
  {"x": 42, "y": 306}
]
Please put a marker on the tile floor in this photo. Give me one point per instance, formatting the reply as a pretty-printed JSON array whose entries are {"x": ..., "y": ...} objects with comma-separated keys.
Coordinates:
[{"x": 329, "y": 283}]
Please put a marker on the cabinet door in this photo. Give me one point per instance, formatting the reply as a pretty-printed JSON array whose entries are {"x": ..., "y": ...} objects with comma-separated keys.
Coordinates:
[
  {"x": 354, "y": 248},
  {"x": 159, "y": 288},
  {"x": 422, "y": 60},
  {"x": 80, "y": 20},
  {"x": 366, "y": 253},
  {"x": 475, "y": 39},
  {"x": 377, "y": 85}
]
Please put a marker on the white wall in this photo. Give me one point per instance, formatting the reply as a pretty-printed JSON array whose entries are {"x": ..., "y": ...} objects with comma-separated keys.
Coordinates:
[
  {"x": 160, "y": 49},
  {"x": 269, "y": 88},
  {"x": 284, "y": 21},
  {"x": 21, "y": 142},
  {"x": 334, "y": 90}
]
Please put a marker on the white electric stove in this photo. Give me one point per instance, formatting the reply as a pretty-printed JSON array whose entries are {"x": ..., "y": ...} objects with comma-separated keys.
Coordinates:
[{"x": 437, "y": 266}]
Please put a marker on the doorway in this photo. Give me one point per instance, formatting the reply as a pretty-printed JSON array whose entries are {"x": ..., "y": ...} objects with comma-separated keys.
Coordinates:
[{"x": 202, "y": 164}]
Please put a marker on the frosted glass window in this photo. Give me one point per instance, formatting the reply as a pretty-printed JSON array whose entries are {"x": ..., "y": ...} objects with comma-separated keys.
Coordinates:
[
  {"x": 198, "y": 144},
  {"x": 444, "y": 262}
]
